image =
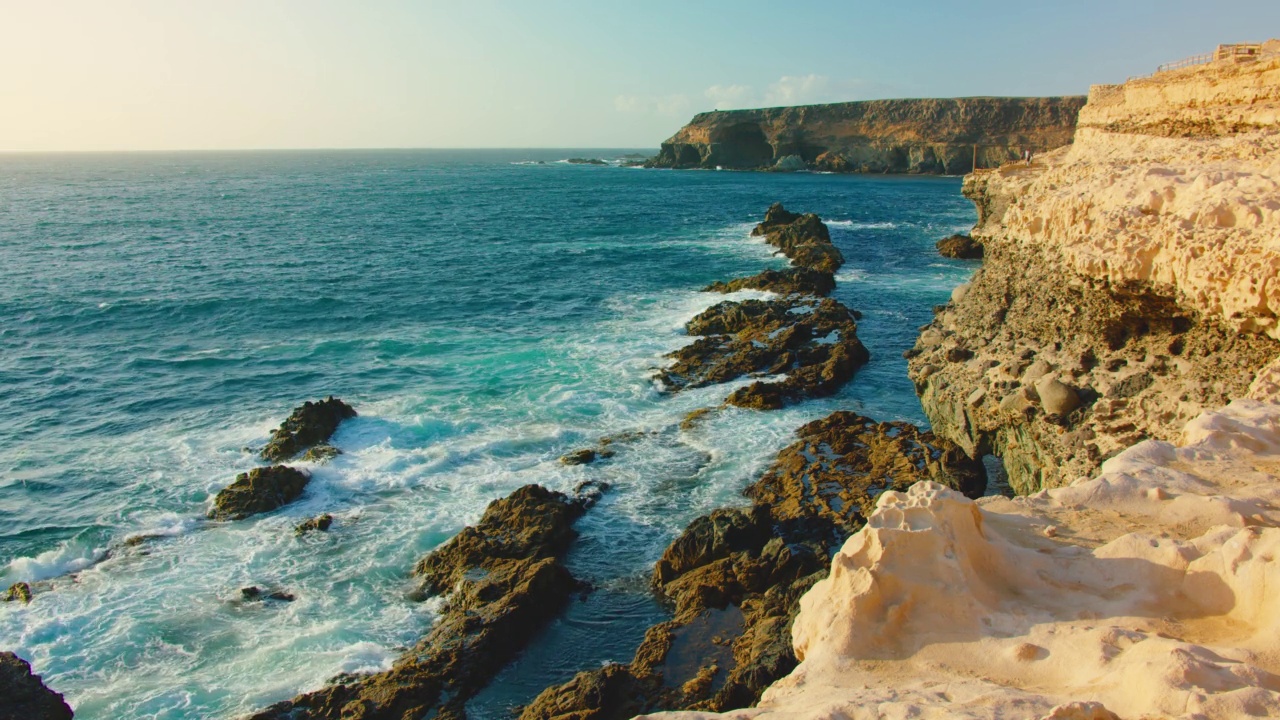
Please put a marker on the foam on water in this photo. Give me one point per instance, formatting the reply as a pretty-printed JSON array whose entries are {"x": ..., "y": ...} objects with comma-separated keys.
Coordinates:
[{"x": 484, "y": 318}]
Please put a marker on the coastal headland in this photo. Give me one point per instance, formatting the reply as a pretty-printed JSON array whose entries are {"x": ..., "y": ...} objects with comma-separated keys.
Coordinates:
[{"x": 932, "y": 136}]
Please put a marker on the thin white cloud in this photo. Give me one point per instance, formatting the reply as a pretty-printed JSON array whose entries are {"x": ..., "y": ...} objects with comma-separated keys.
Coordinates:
[
  {"x": 730, "y": 97},
  {"x": 799, "y": 90},
  {"x": 674, "y": 105}
]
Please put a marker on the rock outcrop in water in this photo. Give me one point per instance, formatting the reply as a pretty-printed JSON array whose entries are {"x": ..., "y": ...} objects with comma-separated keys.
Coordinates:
[
  {"x": 260, "y": 490},
  {"x": 308, "y": 426},
  {"x": 735, "y": 576},
  {"x": 961, "y": 247},
  {"x": 1128, "y": 282},
  {"x": 810, "y": 340},
  {"x": 876, "y": 136},
  {"x": 23, "y": 696},
  {"x": 1127, "y": 285},
  {"x": 502, "y": 580}
]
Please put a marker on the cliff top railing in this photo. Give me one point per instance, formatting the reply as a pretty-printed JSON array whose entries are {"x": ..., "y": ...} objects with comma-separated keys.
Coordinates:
[
  {"x": 1231, "y": 52},
  {"x": 1200, "y": 59}
]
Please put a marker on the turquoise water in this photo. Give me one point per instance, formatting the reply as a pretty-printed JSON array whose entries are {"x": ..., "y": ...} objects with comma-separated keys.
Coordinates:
[{"x": 160, "y": 313}]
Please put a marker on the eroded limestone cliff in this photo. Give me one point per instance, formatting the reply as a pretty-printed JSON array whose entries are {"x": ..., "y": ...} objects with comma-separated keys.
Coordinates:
[
  {"x": 1129, "y": 280},
  {"x": 1125, "y": 299},
  {"x": 875, "y": 136}
]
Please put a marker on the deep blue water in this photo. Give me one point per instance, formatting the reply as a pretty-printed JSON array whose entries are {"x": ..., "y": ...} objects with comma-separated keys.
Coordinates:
[{"x": 160, "y": 313}]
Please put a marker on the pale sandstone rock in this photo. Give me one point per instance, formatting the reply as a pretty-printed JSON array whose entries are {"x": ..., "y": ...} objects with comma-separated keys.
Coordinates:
[{"x": 1146, "y": 605}]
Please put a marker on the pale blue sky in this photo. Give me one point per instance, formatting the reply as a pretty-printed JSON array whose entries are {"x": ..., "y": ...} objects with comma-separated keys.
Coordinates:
[{"x": 208, "y": 74}]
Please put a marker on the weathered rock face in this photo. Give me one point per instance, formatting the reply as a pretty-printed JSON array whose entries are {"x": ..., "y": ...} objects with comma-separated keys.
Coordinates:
[
  {"x": 893, "y": 136},
  {"x": 260, "y": 490},
  {"x": 961, "y": 247},
  {"x": 813, "y": 341},
  {"x": 18, "y": 592},
  {"x": 1127, "y": 280},
  {"x": 735, "y": 576},
  {"x": 24, "y": 697},
  {"x": 311, "y": 424},
  {"x": 504, "y": 580}
]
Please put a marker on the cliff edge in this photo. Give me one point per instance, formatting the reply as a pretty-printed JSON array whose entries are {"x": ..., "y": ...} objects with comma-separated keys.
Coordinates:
[
  {"x": 1128, "y": 281},
  {"x": 1118, "y": 349},
  {"x": 875, "y": 136}
]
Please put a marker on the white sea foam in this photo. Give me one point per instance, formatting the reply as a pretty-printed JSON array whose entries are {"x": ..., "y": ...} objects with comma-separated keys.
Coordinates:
[
  {"x": 852, "y": 225},
  {"x": 68, "y": 557}
]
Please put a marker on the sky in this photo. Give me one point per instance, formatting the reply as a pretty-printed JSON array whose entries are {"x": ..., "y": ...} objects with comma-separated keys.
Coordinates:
[{"x": 258, "y": 74}]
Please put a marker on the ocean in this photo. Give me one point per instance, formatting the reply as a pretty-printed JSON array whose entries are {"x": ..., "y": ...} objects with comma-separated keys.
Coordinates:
[{"x": 484, "y": 311}]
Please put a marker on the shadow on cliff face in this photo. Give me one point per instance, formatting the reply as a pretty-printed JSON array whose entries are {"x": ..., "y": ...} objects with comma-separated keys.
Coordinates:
[{"x": 740, "y": 146}]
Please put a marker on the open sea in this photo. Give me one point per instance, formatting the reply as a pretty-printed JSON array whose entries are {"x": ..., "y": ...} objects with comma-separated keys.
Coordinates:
[{"x": 483, "y": 311}]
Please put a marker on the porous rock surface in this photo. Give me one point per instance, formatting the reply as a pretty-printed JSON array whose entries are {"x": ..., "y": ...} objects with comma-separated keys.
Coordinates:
[
  {"x": 935, "y": 135},
  {"x": 311, "y": 424},
  {"x": 23, "y": 696},
  {"x": 735, "y": 577},
  {"x": 1142, "y": 593},
  {"x": 260, "y": 490},
  {"x": 962, "y": 247},
  {"x": 502, "y": 579},
  {"x": 1128, "y": 282}
]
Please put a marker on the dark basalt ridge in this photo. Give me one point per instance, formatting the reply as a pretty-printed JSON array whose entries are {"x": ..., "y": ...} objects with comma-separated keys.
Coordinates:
[
  {"x": 961, "y": 247},
  {"x": 505, "y": 581},
  {"x": 931, "y": 135},
  {"x": 23, "y": 696},
  {"x": 309, "y": 425},
  {"x": 797, "y": 280},
  {"x": 804, "y": 239},
  {"x": 260, "y": 490},
  {"x": 813, "y": 341},
  {"x": 735, "y": 576}
]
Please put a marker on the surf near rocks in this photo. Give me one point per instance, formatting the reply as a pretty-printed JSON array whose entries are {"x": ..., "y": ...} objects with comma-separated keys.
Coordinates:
[{"x": 810, "y": 339}]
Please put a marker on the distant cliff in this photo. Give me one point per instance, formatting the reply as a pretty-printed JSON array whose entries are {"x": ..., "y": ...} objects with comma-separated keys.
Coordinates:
[{"x": 875, "y": 136}]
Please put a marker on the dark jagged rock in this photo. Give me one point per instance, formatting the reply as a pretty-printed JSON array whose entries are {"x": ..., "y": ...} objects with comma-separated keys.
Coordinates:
[
  {"x": 253, "y": 593},
  {"x": 309, "y": 425},
  {"x": 586, "y": 161},
  {"x": 580, "y": 457},
  {"x": 804, "y": 239},
  {"x": 960, "y": 246},
  {"x": 814, "y": 342},
  {"x": 18, "y": 592},
  {"x": 260, "y": 490},
  {"x": 504, "y": 580},
  {"x": 735, "y": 576},
  {"x": 320, "y": 523},
  {"x": 23, "y": 696},
  {"x": 798, "y": 280}
]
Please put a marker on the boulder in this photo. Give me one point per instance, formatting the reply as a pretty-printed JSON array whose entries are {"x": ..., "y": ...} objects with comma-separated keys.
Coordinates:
[
  {"x": 1056, "y": 397},
  {"x": 320, "y": 523},
  {"x": 322, "y": 453},
  {"x": 579, "y": 457},
  {"x": 804, "y": 239},
  {"x": 960, "y": 246},
  {"x": 23, "y": 696},
  {"x": 260, "y": 490},
  {"x": 791, "y": 163},
  {"x": 309, "y": 425},
  {"x": 18, "y": 592}
]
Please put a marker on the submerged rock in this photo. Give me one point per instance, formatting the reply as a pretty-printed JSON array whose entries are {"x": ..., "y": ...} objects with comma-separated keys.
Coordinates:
[
  {"x": 320, "y": 523},
  {"x": 253, "y": 593},
  {"x": 18, "y": 592},
  {"x": 309, "y": 425},
  {"x": 799, "y": 280},
  {"x": 735, "y": 577},
  {"x": 960, "y": 246},
  {"x": 813, "y": 342},
  {"x": 260, "y": 490},
  {"x": 23, "y": 696},
  {"x": 580, "y": 457},
  {"x": 505, "y": 582}
]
